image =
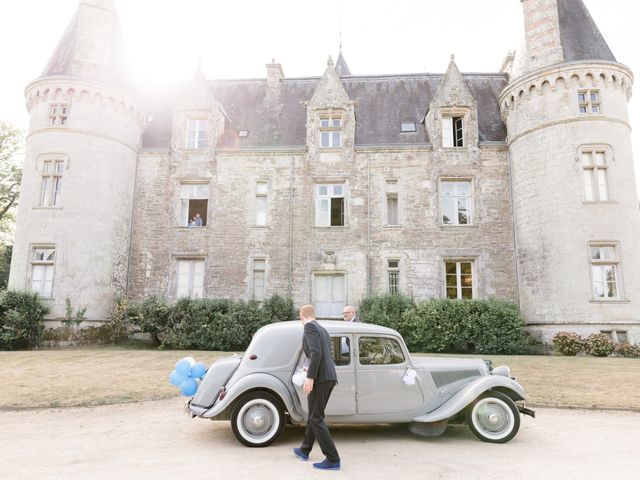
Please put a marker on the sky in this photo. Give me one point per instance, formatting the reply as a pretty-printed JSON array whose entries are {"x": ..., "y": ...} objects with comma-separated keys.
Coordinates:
[{"x": 236, "y": 38}]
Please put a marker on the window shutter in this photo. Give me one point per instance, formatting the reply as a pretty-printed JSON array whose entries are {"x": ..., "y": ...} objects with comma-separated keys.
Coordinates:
[{"x": 447, "y": 132}]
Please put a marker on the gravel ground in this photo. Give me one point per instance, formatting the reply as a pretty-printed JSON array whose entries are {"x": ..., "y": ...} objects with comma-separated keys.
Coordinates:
[{"x": 154, "y": 440}]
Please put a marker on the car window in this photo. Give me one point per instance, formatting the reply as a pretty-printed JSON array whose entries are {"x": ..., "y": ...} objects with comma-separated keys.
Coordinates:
[
  {"x": 341, "y": 350},
  {"x": 380, "y": 351}
]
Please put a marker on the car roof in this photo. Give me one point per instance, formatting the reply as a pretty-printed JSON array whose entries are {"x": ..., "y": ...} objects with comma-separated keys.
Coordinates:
[{"x": 332, "y": 326}]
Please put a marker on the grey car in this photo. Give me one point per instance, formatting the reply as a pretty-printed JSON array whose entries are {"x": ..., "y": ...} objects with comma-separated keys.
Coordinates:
[{"x": 378, "y": 382}]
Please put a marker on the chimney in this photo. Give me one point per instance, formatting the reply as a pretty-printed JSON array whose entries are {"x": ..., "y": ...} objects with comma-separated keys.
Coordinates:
[
  {"x": 542, "y": 34},
  {"x": 274, "y": 74}
]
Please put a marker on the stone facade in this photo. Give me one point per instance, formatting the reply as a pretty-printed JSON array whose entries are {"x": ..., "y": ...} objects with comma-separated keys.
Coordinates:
[{"x": 335, "y": 188}]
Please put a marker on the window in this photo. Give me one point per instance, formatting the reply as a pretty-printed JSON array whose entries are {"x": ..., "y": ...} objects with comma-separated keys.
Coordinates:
[
  {"x": 330, "y": 205},
  {"x": 190, "y": 278},
  {"x": 331, "y": 131},
  {"x": 329, "y": 295},
  {"x": 406, "y": 127},
  {"x": 258, "y": 277},
  {"x": 594, "y": 170},
  {"x": 380, "y": 351},
  {"x": 58, "y": 114},
  {"x": 194, "y": 200},
  {"x": 261, "y": 203},
  {"x": 51, "y": 183},
  {"x": 589, "y": 102},
  {"x": 459, "y": 280},
  {"x": 196, "y": 130},
  {"x": 455, "y": 198},
  {"x": 604, "y": 271},
  {"x": 393, "y": 274},
  {"x": 42, "y": 266},
  {"x": 452, "y": 132},
  {"x": 392, "y": 209},
  {"x": 341, "y": 350},
  {"x": 616, "y": 336}
]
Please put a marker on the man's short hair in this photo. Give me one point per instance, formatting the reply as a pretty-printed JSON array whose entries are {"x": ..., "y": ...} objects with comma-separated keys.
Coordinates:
[{"x": 308, "y": 311}]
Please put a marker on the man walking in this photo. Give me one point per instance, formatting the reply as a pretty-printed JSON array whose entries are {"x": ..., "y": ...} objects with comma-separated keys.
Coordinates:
[{"x": 321, "y": 378}]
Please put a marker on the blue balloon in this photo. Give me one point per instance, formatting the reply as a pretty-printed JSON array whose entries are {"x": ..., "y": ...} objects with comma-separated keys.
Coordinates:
[
  {"x": 183, "y": 367},
  {"x": 176, "y": 379},
  {"x": 189, "y": 387},
  {"x": 198, "y": 370}
]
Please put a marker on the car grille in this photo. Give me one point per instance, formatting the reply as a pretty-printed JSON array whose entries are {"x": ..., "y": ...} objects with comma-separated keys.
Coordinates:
[{"x": 451, "y": 376}]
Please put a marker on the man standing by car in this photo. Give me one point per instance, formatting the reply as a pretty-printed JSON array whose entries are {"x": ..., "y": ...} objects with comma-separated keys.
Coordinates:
[
  {"x": 321, "y": 378},
  {"x": 349, "y": 314}
]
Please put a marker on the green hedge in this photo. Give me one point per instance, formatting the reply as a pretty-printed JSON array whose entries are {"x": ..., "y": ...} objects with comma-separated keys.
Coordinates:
[
  {"x": 207, "y": 324},
  {"x": 21, "y": 319},
  {"x": 456, "y": 326}
]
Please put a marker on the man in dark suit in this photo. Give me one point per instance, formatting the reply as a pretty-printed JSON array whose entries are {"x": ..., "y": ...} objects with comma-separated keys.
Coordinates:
[{"x": 321, "y": 378}]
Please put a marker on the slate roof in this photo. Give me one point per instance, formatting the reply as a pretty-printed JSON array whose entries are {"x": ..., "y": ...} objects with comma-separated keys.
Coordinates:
[
  {"x": 383, "y": 101},
  {"x": 580, "y": 37},
  {"x": 63, "y": 61}
]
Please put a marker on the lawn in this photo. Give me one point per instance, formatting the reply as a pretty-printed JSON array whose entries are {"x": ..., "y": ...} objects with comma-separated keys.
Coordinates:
[{"x": 97, "y": 376}]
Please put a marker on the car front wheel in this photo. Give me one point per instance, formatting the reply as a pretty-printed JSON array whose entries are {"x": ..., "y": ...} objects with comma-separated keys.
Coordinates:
[
  {"x": 493, "y": 417},
  {"x": 258, "y": 419}
]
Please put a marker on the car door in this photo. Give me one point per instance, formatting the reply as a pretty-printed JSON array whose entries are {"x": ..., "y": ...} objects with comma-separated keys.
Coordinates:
[
  {"x": 381, "y": 365},
  {"x": 343, "y": 397}
]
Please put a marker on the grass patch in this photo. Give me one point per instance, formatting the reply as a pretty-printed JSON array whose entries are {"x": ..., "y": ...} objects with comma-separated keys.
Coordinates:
[{"x": 107, "y": 375}]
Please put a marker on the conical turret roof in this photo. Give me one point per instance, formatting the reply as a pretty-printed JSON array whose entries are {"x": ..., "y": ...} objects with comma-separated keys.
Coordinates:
[
  {"x": 92, "y": 46},
  {"x": 342, "y": 68}
]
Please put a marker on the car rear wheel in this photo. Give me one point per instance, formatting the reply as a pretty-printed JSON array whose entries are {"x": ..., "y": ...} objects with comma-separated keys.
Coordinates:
[
  {"x": 493, "y": 417},
  {"x": 258, "y": 419}
]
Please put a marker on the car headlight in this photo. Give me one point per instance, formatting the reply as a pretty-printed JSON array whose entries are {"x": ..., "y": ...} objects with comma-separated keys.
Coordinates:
[{"x": 504, "y": 371}]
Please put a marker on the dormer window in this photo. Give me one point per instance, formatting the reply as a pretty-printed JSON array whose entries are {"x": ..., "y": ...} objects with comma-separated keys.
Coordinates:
[
  {"x": 407, "y": 127},
  {"x": 58, "y": 113},
  {"x": 331, "y": 131},
  {"x": 196, "y": 131},
  {"x": 452, "y": 131}
]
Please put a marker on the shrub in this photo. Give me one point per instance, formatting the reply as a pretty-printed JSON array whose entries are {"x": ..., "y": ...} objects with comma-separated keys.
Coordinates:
[
  {"x": 627, "y": 350},
  {"x": 477, "y": 326},
  {"x": 209, "y": 324},
  {"x": 598, "y": 345},
  {"x": 21, "y": 319},
  {"x": 385, "y": 310},
  {"x": 567, "y": 343}
]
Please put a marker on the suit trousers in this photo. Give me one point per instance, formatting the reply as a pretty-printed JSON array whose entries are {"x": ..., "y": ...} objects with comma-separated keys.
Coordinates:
[{"x": 316, "y": 427}]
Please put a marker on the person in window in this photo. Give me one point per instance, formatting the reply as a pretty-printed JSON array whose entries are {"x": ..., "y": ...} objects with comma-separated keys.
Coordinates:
[
  {"x": 197, "y": 220},
  {"x": 321, "y": 378}
]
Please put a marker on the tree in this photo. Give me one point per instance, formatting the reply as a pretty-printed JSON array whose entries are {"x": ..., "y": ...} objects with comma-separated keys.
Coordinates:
[{"x": 11, "y": 144}]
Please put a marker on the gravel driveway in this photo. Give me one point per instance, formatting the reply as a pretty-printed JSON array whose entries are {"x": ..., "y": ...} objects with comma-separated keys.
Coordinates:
[{"x": 154, "y": 440}]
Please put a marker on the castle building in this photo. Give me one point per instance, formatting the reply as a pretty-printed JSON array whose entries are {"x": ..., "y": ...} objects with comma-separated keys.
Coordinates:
[{"x": 516, "y": 184}]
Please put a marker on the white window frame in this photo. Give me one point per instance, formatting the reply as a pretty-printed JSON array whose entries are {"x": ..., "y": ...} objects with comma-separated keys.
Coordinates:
[
  {"x": 609, "y": 257},
  {"x": 258, "y": 285},
  {"x": 262, "y": 203},
  {"x": 393, "y": 209},
  {"x": 325, "y": 193},
  {"x": 457, "y": 196},
  {"x": 58, "y": 114},
  {"x": 196, "y": 134},
  {"x": 595, "y": 174},
  {"x": 45, "y": 266},
  {"x": 330, "y": 130},
  {"x": 186, "y": 197},
  {"x": 453, "y": 130},
  {"x": 193, "y": 266},
  {"x": 458, "y": 278},
  {"x": 51, "y": 185},
  {"x": 338, "y": 297},
  {"x": 589, "y": 102},
  {"x": 393, "y": 276}
]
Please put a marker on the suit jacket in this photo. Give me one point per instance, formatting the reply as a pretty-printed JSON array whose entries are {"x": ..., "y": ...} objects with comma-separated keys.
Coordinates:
[{"x": 317, "y": 347}]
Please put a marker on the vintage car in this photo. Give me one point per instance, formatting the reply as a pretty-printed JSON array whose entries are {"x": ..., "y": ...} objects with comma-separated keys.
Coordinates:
[{"x": 378, "y": 382}]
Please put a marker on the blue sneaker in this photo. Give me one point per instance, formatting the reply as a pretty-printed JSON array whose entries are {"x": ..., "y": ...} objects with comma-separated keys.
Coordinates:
[
  {"x": 327, "y": 465},
  {"x": 300, "y": 454}
]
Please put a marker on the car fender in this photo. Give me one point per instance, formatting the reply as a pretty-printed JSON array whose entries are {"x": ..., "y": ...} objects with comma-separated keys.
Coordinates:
[
  {"x": 469, "y": 393},
  {"x": 255, "y": 381}
]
